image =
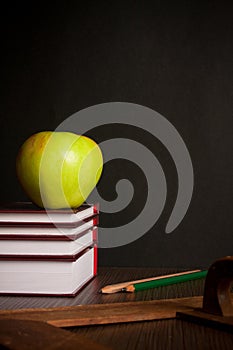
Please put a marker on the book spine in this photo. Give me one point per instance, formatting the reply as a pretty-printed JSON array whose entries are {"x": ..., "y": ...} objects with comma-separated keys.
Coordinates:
[
  {"x": 95, "y": 259},
  {"x": 95, "y": 234},
  {"x": 96, "y": 208}
]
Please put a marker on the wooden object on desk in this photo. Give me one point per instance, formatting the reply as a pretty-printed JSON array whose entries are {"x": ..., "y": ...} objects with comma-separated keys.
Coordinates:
[
  {"x": 217, "y": 308},
  {"x": 85, "y": 315},
  {"x": 26, "y": 335},
  {"x": 117, "y": 287},
  {"x": 165, "y": 281},
  {"x": 100, "y": 314}
]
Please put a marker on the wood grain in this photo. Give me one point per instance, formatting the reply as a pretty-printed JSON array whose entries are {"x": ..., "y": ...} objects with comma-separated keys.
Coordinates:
[
  {"x": 171, "y": 334},
  {"x": 199, "y": 316},
  {"x": 27, "y": 335},
  {"x": 98, "y": 314}
]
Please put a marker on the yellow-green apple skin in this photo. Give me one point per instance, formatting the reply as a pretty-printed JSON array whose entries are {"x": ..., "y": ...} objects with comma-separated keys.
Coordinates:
[{"x": 59, "y": 169}]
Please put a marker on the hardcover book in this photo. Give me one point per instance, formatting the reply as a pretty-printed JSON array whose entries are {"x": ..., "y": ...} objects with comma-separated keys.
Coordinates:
[
  {"x": 49, "y": 248},
  {"x": 57, "y": 276},
  {"x": 47, "y": 252},
  {"x": 46, "y": 231},
  {"x": 28, "y": 214}
]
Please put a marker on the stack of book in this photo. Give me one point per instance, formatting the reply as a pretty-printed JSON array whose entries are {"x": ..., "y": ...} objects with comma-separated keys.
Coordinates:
[{"x": 47, "y": 252}]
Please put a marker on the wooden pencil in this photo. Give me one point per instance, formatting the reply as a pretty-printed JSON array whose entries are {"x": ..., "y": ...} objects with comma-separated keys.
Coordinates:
[
  {"x": 117, "y": 287},
  {"x": 165, "y": 281}
]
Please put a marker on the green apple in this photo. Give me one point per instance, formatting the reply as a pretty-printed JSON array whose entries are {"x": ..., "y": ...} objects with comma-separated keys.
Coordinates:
[{"x": 59, "y": 169}]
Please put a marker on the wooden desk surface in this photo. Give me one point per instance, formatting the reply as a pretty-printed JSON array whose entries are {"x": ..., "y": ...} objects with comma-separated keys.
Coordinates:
[{"x": 164, "y": 334}]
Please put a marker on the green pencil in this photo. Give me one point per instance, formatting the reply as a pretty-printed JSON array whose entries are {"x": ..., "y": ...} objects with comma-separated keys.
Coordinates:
[{"x": 165, "y": 281}]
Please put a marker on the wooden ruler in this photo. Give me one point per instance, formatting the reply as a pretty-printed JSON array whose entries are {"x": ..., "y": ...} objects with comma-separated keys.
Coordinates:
[{"x": 86, "y": 315}]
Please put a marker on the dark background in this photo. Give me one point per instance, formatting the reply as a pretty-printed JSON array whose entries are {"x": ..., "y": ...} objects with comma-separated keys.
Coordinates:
[{"x": 175, "y": 57}]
